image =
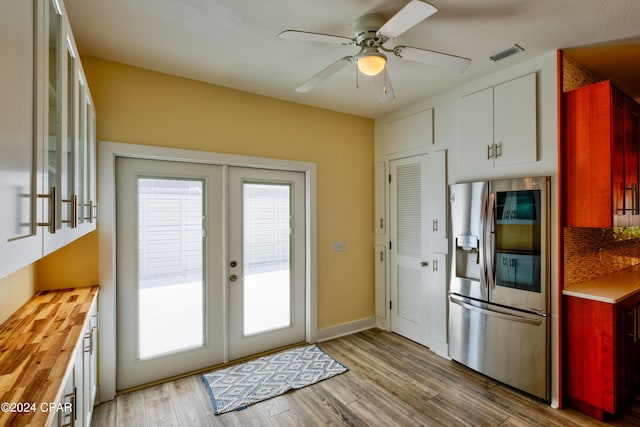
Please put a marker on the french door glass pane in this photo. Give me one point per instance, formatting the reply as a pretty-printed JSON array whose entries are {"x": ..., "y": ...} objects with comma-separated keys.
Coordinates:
[
  {"x": 170, "y": 265},
  {"x": 267, "y": 257}
]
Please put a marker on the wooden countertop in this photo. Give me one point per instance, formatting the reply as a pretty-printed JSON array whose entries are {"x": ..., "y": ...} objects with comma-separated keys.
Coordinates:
[
  {"x": 37, "y": 344},
  {"x": 611, "y": 288}
]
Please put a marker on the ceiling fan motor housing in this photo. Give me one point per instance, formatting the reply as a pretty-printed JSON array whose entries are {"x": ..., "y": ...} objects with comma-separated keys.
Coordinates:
[{"x": 365, "y": 29}]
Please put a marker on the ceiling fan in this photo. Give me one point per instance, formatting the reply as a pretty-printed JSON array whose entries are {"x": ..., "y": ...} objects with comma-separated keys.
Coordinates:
[{"x": 370, "y": 33}]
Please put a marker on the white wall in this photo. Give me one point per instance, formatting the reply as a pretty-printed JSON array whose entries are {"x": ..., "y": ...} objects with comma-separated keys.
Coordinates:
[{"x": 446, "y": 131}]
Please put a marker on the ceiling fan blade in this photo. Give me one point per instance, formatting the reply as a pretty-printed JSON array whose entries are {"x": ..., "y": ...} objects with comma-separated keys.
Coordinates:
[
  {"x": 413, "y": 12},
  {"x": 429, "y": 57},
  {"x": 324, "y": 74},
  {"x": 314, "y": 37},
  {"x": 382, "y": 87}
]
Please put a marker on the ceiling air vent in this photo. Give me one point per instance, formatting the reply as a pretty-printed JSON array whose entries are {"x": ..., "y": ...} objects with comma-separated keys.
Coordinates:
[{"x": 505, "y": 53}]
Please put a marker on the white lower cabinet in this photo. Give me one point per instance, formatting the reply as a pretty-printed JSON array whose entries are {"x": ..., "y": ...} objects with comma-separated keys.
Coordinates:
[
  {"x": 75, "y": 407},
  {"x": 65, "y": 407}
]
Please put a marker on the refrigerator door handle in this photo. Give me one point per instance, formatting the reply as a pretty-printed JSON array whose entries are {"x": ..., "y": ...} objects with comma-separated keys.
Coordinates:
[
  {"x": 483, "y": 244},
  {"x": 490, "y": 228},
  {"x": 461, "y": 302}
]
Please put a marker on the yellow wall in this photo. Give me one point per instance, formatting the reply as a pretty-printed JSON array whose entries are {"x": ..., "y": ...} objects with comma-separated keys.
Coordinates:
[
  {"x": 72, "y": 266},
  {"x": 144, "y": 107},
  {"x": 15, "y": 290}
]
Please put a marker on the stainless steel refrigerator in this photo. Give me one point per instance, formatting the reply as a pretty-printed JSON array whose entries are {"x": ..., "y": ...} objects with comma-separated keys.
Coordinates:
[{"x": 499, "y": 320}]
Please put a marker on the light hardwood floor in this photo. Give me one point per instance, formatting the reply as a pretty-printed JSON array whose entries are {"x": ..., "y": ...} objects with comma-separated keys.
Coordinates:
[{"x": 391, "y": 382}]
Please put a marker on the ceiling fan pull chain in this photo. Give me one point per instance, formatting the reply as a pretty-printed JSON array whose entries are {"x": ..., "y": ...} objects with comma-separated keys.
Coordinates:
[
  {"x": 386, "y": 80},
  {"x": 357, "y": 77}
]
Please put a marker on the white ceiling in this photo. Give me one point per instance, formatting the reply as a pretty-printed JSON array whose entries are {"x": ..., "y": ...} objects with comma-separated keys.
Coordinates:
[{"x": 234, "y": 43}]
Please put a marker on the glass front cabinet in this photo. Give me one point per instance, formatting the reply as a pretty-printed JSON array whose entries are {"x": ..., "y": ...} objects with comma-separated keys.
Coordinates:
[{"x": 47, "y": 135}]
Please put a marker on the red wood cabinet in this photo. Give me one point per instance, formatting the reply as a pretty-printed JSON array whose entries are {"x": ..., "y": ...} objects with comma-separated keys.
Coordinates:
[
  {"x": 601, "y": 161},
  {"x": 601, "y": 355}
]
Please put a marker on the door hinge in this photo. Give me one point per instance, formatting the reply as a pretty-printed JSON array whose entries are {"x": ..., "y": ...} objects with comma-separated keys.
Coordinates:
[
  {"x": 389, "y": 177},
  {"x": 389, "y": 244},
  {"x": 390, "y": 304}
]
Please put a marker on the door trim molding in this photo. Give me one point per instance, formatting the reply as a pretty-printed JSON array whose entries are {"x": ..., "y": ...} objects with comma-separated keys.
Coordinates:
[{"x": 107, "y": 154}]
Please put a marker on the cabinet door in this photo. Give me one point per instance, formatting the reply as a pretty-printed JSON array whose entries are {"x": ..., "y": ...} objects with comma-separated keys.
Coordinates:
[
  {"x": 438, "y": 303},
  {"x": 380, "y": 181},
  {"x": 86, "y": 207},
  {"x": 20, "y": 238},
  {"x": 407, "y": 133},
  {"x": 476, "y": 139},
  {"x": 629, "y": 137},
  {"x": 381, "y": 281},
  {"x": 515, "y": 123},
  {"x": 89, "y": 367},
  {"x": 53, "y": 175},
  {"x": 66, "y": 416},
  {"x": 438, "y": 201},
  {"x": 588, "y": 156},
  {"x": 589, "y": 341}
]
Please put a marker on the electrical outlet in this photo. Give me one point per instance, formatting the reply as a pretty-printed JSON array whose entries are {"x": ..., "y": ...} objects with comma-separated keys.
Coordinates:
[{"x": 338, "y": 246}]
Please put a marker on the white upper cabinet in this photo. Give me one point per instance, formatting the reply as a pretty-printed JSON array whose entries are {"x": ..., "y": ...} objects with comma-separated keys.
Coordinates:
[
  {"x": 71, "y": 136},
  {"x": 20, "y": 134},
  {"x": 499, "y": 125},
  {"x": 411, "y": 132},
  {"x": 42, "y": 140}
]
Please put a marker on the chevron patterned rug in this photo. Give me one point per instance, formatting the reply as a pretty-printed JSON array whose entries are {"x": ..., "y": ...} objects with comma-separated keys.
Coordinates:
[{"x": 238, "y": 386}]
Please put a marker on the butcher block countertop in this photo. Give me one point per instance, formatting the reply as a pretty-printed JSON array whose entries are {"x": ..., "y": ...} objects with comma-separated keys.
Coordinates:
[
  {"x": 37, "y": 344},
  {"x": 611, "y": 288}
]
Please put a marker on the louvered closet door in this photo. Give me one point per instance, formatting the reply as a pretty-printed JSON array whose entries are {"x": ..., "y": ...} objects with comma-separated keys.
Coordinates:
[{"x": 409, "y": 265}]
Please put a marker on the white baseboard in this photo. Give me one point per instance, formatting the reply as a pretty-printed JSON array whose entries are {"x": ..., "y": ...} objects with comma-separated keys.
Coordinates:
[{"x": 346, "y": 329}]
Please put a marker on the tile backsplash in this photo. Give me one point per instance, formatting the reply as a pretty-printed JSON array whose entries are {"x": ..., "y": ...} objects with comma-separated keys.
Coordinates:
[{"x": 590, "y": 253}]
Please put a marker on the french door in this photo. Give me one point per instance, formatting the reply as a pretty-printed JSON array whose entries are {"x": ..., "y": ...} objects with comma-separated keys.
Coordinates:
[
  {"x": 209, "y": 265},
  {"x": 266, "y": 260}
]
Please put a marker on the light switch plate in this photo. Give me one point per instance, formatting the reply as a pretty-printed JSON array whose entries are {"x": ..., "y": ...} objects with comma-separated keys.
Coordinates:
[{"x": 338, "y": 246}]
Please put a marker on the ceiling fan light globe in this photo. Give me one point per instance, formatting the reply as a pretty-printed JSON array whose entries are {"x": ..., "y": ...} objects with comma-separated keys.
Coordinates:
[{"x": 372, "y": 64}]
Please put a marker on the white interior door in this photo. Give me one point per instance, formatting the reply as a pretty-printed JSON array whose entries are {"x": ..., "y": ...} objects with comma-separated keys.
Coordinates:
[
  {"x": 266, "y": 260},
  {"x": 409, "y": 262},
  {"x": 170, "y": 317}
]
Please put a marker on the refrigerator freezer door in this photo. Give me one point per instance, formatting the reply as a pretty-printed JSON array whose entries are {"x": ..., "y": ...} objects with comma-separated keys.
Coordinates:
[
  {"x": 468, "y": 214},
  {"x": 508, "y": 345}
]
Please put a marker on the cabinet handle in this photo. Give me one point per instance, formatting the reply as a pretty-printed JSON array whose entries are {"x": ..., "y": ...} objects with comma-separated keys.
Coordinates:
[
  {"x": 51, "y": 224},
  {"x": 381, "y": 223},
  {"x": 490, "y": 151},
  {"x": 634, "y": 199},
  {"x": 90, "y": 211},
  {"x": 95, "y": 322},
  {"x": 435, "y": 265},
  {"x": 73, "y": 216},
  {"x": 381, "y": 256},
  {"x": 88, "y": 348},
  {"x": 435, "y": 225},
  {"x": 68, "y": 398},
  {"x": 634, "y": 314},
  {"x": 498, "y": 149},
  {"x": 636, "y": 318}
]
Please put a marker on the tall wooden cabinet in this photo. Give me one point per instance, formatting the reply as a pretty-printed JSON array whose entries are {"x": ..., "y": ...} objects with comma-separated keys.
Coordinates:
[
  {"x": 601, "y": 162},
  {"x": 47, "y": 135}
]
